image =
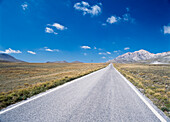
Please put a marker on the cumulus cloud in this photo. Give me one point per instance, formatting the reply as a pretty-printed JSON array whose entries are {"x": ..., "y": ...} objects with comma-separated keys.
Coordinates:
[
  {"x": 108, "y": 53},
  {"x": 103, "y": 57},
  {"x": 113, "y": 19},
  {"x": 86, "y": 8},
  {"x": 58, "y": 26},
  {"x": 124, "y": 18},
  {"x": 24, "y": 6},
  {"x": 51, "y": 27},
  {"x": 31, "y": 52},
  {"x": 126, "y": 48},
  {"x": 50, "y": 30},
  {"x": 10, "y": 51},
  {"x": 85, "y": 47},
  {"x": 166, "y": 29},
  {"x": 51, "y": 50}
]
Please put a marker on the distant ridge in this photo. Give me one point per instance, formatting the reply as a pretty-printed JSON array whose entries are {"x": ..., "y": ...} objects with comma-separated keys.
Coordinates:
[
  {"x": 63, "y": 62},
  {"x": 57, "y": 62},
  {"x": 142, "y": 56},
  {"x": 8, "y": 58},
  {"x": 76, "y": 62}
]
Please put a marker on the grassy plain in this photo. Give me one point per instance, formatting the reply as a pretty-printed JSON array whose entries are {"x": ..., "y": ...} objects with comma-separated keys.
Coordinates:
[
  {"x": 18, "y": 81},
  {"x": 152, "y": 80}
]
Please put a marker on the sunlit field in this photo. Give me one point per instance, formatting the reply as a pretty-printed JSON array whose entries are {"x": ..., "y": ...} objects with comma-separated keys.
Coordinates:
[{"x": 19, "y": 81}]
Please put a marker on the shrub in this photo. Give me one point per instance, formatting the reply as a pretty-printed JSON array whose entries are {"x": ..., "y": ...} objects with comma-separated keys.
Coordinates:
[{"x": 164, "y": 109}]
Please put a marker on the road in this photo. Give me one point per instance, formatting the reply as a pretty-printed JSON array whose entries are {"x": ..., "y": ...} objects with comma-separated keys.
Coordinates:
[{"x": 102, "y": 96}]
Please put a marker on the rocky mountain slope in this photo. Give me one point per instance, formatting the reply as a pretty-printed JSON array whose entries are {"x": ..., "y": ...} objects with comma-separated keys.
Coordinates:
[
  {"x": 8, "y": 58},
  {"x": 142, "y": 56}
]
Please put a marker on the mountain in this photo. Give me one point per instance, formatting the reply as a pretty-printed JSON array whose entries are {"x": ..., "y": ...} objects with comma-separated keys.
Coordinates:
[
  {"x": 76, "y": 62},
  {"x": 160, "y": 60},
  {"x": 57, "y": 62},
  {"x": 8, "y": 58},
  {"x": 142, "y": 56}
]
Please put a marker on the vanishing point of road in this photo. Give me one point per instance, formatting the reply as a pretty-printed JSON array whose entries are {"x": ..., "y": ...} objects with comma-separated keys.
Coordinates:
[{"x": 102, "y": 96}]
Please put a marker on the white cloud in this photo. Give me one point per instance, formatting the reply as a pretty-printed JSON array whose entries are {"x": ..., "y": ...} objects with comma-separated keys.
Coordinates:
[
  {"x": 128, "y": 18},
  {"x": 117, "y": 51},
  {"x": 87, "y": 9},
  {"x": 113, "y": 19},
  {"x": 85, "y": 54},
  {"x": 50, "y": 30},
  {"x": 58, "y": 26},
  {"x": 104, "y": 24},
  {"x": 31, "y": 52},
  {"x": 125, "y": 18},
  {"x": 166, "y": 29},
  {"x": 24, "y": 6},
  {"x": 51, "y": 50},
  {"x": 95, "y": 10},
  {"x": 10, "y": 51},
  {"x": 103, "y": 57},
  {"x": 102, "y": 53},
  {"x": 85, "y": 3},
  {"x": 95, "y": 48},
  {"x": 108, "y": 53},
  {"x": 126, "y": 48},
  {"x": 85, "y": 47}
]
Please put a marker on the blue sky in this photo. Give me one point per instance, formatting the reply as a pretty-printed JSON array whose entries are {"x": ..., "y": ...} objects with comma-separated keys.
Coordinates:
[{"x": 88, "y": 31}]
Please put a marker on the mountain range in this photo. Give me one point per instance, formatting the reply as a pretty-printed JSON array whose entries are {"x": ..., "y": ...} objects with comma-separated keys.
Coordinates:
[
  {"x": 142, "y": 56},
  {"x": 8, "y": 58},
  {"x": 63, "y": 62}
]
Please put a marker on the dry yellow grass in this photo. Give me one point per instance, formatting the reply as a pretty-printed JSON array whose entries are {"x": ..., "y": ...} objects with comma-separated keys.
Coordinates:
[
  {"x": 15, "y": 75},
  {"x": 152, "y": 80},
  {"x": 19, "y": 81}
]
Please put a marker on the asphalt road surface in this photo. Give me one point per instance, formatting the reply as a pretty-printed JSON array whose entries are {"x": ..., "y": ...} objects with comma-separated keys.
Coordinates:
[{"x": 102, "y": 96}]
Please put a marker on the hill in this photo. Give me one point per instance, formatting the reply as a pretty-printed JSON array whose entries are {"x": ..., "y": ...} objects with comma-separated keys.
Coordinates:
[
  {"x": 76, "y": 62},
  {"x": 8, "y": 58}
]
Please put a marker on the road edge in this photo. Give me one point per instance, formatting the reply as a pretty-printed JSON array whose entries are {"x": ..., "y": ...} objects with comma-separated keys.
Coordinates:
[
  {"x": 158, "y": 113},
  {"x": 15, "y": 105}
]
